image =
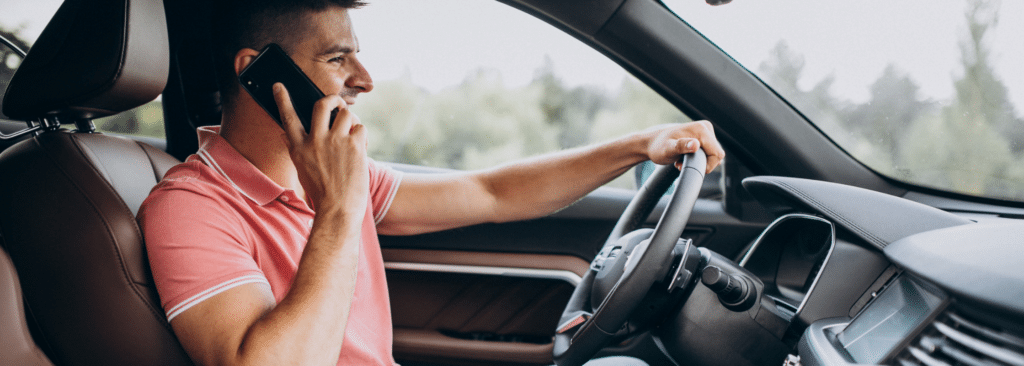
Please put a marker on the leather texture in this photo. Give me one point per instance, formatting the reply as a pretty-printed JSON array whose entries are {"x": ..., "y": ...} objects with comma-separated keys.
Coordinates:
[
  {"x": 432, "y": 346},
  {"x": 878, "y": 218},
  {"x": 68, "y": 201},
  {"x": 488, "y": 259},
  {"x": 67, "y": 215},
  {"x": 16, "y": 344},
  {"x": 428, "y": 308},
  {"x": 95, "y": 58},
  {"x": 434, "y": 313}
]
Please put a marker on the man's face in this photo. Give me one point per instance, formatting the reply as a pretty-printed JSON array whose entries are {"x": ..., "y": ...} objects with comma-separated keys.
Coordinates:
[{"x": 327, "y": 54}]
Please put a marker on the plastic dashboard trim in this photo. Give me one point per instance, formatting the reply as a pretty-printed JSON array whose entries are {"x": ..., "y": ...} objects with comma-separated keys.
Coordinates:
[{"x": 824, "y": 263}]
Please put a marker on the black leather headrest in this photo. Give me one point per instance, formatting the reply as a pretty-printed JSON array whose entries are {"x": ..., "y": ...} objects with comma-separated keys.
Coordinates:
[{"x": 95, "y": 58}]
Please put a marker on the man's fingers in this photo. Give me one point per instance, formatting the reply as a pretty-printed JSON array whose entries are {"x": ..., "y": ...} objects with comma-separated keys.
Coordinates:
[
  {"x": 322, "y": 113},
  {"x": 715, "y": 158},
  {"x": 344, "y": 120},
  {"x": 358, "y": 133},
  {"x": 684, "y": 146},
  {"x": 685, "y": 139},
  {"x": 711, "y": 146},
  {"x": 289, "y": 120},
  {"x": 687, "y": 146}
]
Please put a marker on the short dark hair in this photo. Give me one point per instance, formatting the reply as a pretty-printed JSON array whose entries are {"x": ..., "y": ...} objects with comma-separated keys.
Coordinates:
[{"x": 238, "y": 24}]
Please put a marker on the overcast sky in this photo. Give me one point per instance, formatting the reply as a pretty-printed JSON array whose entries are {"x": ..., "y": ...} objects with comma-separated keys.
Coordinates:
[{"x": 436, "y": 43}]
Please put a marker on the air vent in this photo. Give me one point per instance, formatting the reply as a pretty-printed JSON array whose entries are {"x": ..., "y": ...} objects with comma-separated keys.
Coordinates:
[{"x": 953, "y": 341}]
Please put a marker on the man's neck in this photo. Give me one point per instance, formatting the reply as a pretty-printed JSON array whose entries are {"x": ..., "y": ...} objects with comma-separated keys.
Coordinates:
[{"x": 261, "y": 141}]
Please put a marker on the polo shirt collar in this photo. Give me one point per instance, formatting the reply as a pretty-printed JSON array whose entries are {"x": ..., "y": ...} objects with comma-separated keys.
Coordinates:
[{"x": 218, "y": 154}]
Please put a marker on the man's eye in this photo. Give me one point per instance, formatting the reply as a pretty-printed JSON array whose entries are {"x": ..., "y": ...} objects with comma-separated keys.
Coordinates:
[{"x": 337, "y": 59}]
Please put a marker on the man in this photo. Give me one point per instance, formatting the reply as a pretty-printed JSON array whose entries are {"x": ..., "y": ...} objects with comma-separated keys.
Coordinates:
[{"x": 264, "y": 245}]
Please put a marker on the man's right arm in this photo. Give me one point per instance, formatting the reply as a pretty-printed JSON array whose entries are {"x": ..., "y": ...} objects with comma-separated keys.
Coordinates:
[{"x": 242, "y": 325}]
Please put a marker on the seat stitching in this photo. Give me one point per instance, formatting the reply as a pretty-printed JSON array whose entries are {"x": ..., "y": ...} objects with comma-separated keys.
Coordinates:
[
  {"x": 150, "y": 157},
  {"x": 124, "y": 271},
  {"x": 838, "y": 216}
]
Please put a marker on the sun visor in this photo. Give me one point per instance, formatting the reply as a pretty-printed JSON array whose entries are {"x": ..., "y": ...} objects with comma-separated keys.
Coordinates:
[{"x": 95, "y": 58}]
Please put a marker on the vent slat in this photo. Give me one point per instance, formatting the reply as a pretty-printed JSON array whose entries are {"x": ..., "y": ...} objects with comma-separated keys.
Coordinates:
[
  {"x": 953, "y": 340},
  {"x": 1000, "y": 337},
  {"x": 951, "y": 350},
  {"x": 982, "y": 347},
  {"x": 905, "y": 362},
  {"x": 925, "y": 358}
]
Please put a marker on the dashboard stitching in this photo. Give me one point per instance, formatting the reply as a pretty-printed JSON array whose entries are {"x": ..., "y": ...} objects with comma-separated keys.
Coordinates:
[{"x": 853, "y": 226}]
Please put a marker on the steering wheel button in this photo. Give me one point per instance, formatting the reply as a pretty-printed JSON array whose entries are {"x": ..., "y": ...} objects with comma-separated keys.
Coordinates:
[{"x": 604, "y": 256}]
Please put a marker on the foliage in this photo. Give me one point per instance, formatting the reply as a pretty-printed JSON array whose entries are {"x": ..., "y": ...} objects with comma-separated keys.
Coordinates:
[
  {"x": 482, "y": 122},
  {"x": 145, "y": 120},
  {"x": 971, "y": 144}
]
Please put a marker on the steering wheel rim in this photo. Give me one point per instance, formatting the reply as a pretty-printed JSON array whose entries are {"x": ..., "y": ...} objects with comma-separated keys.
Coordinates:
[{"x": 575, "y": 348}]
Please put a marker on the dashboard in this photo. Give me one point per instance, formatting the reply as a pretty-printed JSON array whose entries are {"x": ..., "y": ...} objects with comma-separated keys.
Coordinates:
[
  {"x": 957, "y": 299},
  {"x": 863, "y": 278}
]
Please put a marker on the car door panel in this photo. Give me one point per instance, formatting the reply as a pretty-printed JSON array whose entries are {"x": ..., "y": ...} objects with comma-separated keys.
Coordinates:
[
  {"x": 493, "y": 293},
  {"x": 477, "y": 306}
]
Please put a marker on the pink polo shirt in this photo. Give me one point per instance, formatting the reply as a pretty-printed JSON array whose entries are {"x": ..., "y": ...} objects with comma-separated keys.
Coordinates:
[{"x": 215, "y": 222}]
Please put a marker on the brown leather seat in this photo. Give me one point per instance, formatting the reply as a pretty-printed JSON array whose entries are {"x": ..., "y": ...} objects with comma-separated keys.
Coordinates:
[
  {"x": 68, "y": 200},
  {"x": 16, "y": 345}
]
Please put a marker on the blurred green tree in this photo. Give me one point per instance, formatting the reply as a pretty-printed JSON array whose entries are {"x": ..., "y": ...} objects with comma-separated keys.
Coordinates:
[
  {"x": 481, "y": 122},
  {"x": 979, "y": 92},
  {"x": 572, "y": 111},
  {"x": 783, "y": 71},
  {"x": 970, "y": 144},
  {"x": 145, "y": 120},
  {"x": 893, "y": 103}
]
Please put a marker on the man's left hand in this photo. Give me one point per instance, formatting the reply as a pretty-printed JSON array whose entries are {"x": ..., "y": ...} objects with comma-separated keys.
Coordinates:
[{"x": 667, "y": 142}]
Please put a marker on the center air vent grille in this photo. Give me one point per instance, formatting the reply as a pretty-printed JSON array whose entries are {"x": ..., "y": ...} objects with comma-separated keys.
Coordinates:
[{"x": 952, "y": 341}]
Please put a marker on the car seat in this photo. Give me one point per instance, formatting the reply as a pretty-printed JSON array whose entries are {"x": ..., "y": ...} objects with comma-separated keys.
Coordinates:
[{"x": 68, "y": 199}]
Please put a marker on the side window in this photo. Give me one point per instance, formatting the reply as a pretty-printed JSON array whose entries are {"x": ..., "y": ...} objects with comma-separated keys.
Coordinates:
[
  {"x": 9, "y": 61},
  {"x": 146, "y": 120},
  {"x": 478, "y": 83}
]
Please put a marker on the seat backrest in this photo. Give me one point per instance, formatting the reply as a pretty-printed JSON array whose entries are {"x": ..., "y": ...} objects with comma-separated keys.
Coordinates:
[
  {"x": 68, "y": 200},
  {"x": 67, "y": 213},
  {"x": 17, "y": 347}
]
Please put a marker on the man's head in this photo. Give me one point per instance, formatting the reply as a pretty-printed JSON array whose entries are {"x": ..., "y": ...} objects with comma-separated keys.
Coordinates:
[{"x": 317, "y": 34}]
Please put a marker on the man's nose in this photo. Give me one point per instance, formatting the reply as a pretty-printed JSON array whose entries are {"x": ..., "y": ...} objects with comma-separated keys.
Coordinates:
[{"x": 360, "y": 78}]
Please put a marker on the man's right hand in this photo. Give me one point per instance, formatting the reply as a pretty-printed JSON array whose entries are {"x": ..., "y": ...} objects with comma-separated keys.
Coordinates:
[{"x": 331, "y": 159}]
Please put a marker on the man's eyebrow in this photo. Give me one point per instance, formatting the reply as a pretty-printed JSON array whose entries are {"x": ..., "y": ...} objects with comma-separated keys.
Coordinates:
[{"x": 339, "y": 49}]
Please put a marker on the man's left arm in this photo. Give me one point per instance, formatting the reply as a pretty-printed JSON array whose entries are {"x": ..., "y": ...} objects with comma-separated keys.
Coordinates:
[{"x": 537, "y": 186}]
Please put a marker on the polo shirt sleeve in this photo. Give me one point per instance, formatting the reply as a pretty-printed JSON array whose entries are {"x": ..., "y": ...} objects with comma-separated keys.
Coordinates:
[
  {"x": 384, "y": 183},
  {"x": 196, "y": 243}
]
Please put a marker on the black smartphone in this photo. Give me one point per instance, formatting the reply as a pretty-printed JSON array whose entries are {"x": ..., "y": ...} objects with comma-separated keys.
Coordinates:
[{"x": 271, "y": 66}]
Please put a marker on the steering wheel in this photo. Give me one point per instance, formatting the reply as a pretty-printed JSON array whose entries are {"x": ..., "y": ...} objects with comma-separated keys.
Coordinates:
[{"x": 629, "y": 264}]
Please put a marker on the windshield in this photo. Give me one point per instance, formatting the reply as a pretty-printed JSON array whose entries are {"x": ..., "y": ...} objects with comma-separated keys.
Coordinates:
[{"x": 928, "y": 94}]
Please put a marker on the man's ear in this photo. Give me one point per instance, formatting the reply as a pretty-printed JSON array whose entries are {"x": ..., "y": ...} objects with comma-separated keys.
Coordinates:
[{"x": 243, "y": 58}]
